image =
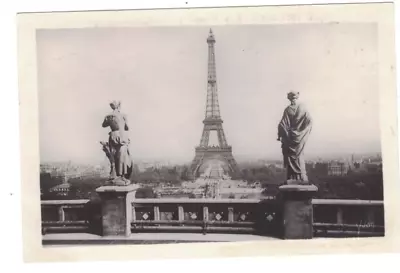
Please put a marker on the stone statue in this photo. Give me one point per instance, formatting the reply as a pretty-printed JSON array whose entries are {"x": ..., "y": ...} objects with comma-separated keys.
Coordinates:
[
  {"x": 116, "y": 148},
  {"x": 293, "y": 131}
]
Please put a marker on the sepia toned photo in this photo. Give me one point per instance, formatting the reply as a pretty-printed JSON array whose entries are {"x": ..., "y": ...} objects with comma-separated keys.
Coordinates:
[{"x": 213, "y": 132}]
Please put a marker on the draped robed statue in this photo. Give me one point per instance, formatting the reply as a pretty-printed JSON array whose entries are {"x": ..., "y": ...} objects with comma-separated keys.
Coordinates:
[
  {"x": 116, "y": 149},
  {"x": 293, "y": 132}
]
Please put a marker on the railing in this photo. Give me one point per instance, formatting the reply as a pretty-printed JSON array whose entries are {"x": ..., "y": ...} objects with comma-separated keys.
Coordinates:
[
  {"x": 62, "y": 216},
  {"x": 331, "y": 217},
  {"x": 206, "y": 215},
  {"x": 348, "y": 218}
]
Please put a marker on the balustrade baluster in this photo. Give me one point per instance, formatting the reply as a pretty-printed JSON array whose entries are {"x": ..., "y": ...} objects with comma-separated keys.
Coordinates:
[
  {"x": 156, "y": 213},
  {"x": 230, "y": 215},
  {"x": 61, "y": 214},
  {"x": 371, "y": 216},
  {"x": 205, "y": 213},
  {"x": 339, "y": 215},
  {"x": 205, "y": 219},
  {"x": 133, "y": 213},
  {"x": 181, "y": 214}
]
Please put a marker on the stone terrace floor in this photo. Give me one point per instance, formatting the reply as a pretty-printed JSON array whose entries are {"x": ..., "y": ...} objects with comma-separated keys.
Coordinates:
[{"x": 147, "y": 238}]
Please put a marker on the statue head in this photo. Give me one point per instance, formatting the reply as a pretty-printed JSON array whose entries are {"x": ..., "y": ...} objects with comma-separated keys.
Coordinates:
[
  {"x": 293, "y": 96},
  {"x": 115, "y": 105}
]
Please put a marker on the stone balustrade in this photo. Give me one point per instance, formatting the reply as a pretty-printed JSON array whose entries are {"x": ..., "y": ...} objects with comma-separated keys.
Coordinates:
[
  {"x": 359, "y": 218},
  {"x": 290, "y": 216},
  {"x": 206, "y": 216},
  {"x": 67, "y": 216}
]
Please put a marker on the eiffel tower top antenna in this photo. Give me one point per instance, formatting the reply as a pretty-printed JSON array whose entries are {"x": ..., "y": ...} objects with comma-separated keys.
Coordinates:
[
  {"x": 211, "y": 38},
  {"x": 212, "y": 107}
]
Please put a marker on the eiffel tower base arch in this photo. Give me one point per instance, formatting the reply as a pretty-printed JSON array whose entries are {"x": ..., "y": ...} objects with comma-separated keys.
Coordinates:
[{"x": 208, "y": 155}]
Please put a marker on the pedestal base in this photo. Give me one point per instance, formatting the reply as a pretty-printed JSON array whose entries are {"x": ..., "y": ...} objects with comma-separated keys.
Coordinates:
[
  {"x": 116, "y": 209},
  {"x": 297, "y": 211}
]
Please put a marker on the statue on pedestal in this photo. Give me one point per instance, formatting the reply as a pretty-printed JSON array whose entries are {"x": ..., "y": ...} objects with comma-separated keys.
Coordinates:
[
  {"x": 116, "y": 149},
  {"x": 293, "y": 132}
]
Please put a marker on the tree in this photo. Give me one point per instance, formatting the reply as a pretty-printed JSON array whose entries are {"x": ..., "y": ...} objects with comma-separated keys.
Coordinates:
[
  {"x": 145, "y": 192},
  {"x": 192, "y": 196},
  {"x": 184, "y": 173}
]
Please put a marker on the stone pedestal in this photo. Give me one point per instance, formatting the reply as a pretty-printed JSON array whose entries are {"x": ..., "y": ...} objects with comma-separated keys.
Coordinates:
[
  {"x": 297, "y": 211},
  {"x": 116, "y": 202}
]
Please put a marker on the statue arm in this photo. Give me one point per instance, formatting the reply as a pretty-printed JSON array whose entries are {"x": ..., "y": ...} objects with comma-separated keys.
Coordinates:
[
  {"x": 126, "y": 123},
  {"x": 283, "y": 126},
  {"x": 279, "y": 131},
  {"x": 105, "y": 122},
  {"x": 310, "y": 119}
]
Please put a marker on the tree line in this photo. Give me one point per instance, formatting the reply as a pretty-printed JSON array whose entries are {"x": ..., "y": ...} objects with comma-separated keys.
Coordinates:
[{"x": 367, "y": 186}]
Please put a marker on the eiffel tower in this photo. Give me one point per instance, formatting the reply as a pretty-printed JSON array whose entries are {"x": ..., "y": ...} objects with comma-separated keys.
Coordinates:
[{"x": 222, "y": 154}]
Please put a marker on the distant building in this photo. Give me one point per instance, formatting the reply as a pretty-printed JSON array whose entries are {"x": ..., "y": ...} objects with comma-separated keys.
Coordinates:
[
  {"x": 370, "y": 165},
  {"x": 277, "y": 165},
  {"x": 357, "y": 165},
  {"x": 321, "y": 168},
  {"x": 47, "y": 182},
  {"x": 337, "y": 168},
  {"x": 310, "y": 166},
  {"x": 61, "y": 190},
  {"x": 374, "y": 168}
]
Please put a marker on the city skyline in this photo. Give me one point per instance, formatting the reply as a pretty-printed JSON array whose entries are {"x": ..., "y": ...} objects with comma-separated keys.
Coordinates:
[
  {"x": 241, "y": 159},
  {"x": 81, "y": 71}
]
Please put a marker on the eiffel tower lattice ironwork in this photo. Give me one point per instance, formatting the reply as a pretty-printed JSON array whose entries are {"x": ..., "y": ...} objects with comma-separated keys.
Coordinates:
[{"x": 213, "y": 122}]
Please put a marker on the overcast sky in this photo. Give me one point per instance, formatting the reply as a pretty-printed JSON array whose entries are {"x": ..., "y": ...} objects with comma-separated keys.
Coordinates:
[{"x": 160, "y": 76}]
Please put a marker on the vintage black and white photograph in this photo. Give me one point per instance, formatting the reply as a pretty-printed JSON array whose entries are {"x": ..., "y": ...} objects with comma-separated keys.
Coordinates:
[{"x": 164, "y": 134}]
